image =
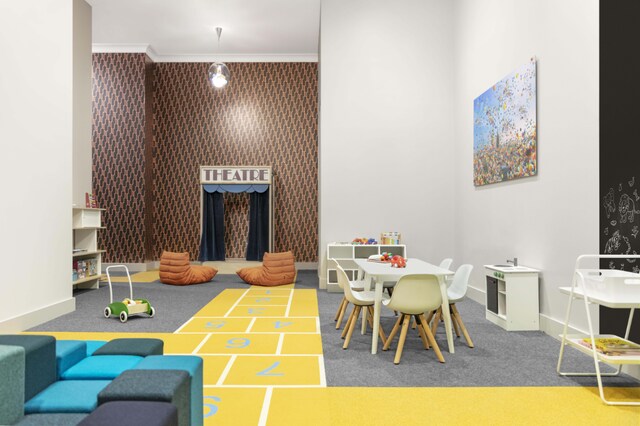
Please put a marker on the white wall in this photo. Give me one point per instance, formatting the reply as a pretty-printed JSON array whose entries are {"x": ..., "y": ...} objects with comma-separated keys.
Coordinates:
[
  {"x": 82, "y": 161},
  {"x": 386, "y": 152},
  {"x": 36, "y": 131},
  {"x": 548, "y": 220}
]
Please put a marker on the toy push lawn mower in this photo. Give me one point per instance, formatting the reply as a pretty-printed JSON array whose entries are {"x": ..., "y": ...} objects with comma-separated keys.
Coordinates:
[{"x": 128, "y": 306}]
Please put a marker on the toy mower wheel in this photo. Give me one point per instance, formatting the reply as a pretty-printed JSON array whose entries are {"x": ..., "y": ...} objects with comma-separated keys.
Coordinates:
[
  {"x": 152, "y": 311},
  {"x": 107, "y": 312},
  {"x": 123, "y": 316}
]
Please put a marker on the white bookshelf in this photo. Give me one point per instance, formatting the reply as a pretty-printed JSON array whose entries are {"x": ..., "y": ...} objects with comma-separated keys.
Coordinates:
[
  {"x": 86, "y": 224},
  {"x": 345, "y": 253}
]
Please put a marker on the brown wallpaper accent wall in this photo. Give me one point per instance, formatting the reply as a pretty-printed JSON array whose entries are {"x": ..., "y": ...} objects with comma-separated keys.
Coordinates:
[
  {"x": 118, "y": 134},
  {"x": 267, "y": 115},
  {"x": 155, "y": 124}
]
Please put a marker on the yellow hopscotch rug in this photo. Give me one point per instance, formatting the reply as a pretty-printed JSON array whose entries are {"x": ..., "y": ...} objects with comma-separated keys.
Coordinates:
[
  {"x": 138, "y": 277},
  {"x": 263, "y": 365}
]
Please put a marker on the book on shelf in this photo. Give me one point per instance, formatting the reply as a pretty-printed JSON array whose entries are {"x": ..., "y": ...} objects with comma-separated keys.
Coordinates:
[
  {"x": 612, "y": 346},
  {"x": 90, "y": 200},
  {"x": 78, "y": 250}
]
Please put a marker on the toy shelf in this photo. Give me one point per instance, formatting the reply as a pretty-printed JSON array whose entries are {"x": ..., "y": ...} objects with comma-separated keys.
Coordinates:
[
  {"x": 86, "y": 256},
  {"x": 346, "y": 253}
]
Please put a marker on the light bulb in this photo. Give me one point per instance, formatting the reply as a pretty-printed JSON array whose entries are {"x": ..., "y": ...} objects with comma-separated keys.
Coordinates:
[{"x": 218, "y": 75}]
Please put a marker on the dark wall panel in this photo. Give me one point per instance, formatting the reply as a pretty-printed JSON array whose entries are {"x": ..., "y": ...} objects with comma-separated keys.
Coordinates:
[{"x": 619, "y": 145}]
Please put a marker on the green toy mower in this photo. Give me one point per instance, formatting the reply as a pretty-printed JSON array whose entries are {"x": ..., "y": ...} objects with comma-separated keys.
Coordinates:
[{"x": 129, "y": 306}]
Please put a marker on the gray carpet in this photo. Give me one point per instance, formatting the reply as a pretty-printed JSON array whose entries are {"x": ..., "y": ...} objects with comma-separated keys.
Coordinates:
[{"x": 500, "y": 358}]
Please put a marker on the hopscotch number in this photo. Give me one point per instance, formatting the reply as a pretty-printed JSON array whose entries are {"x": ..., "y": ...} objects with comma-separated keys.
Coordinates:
[
  {"x": 238, "y": 343},
  {"x": 263, "y": 299},
  {"x": 266, "y": 371},
  {"x": 213, "y": 408},
  {"x": 215, "y": 324},
  {"x": 280, "y": 324},
  {"x": 258, "y": 311}
]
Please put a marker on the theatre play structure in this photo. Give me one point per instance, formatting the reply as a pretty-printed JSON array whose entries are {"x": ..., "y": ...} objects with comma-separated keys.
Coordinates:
[{"x": 215, "y": 181}]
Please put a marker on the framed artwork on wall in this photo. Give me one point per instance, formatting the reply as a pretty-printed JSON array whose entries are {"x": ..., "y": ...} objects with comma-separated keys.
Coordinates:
[{"x": 504, "y": 128}]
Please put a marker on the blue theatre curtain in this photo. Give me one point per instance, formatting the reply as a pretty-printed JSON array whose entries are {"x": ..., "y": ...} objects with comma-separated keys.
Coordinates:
[
  {"x": 212, "y": 242},
  {"x": 258, "y": 241}
]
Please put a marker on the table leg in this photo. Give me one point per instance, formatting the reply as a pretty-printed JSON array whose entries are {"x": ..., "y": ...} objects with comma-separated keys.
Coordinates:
[
  {"x": 446, "y": 313},
  {"x": 364, "y": 311},
  {"x": 376, "y": 316}
]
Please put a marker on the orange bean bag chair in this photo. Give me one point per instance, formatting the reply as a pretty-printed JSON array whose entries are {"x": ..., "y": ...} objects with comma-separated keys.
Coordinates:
[
  {"x": 276, "y": 269},
  {"x": 175, "y": 269}
]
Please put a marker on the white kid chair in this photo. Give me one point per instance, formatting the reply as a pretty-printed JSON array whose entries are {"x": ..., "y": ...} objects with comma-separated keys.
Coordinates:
[
  {"x": 413, "y": 296},
  {"x": 359, "y": 300},
  {"x": 456, "y": 292},
  {"x": 357, "y": 285}
]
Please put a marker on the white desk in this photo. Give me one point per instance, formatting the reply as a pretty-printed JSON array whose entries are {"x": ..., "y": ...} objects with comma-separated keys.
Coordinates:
[{"x": 381, "y": 272}]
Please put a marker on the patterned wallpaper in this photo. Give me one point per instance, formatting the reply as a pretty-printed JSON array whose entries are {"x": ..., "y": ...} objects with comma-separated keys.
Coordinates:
[
  {"x": 118, "y": 138},
  {"x": 267, "y": 115}
]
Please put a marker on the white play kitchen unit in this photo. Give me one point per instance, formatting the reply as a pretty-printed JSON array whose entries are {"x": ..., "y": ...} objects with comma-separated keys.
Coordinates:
[{"x": 512, "y": 297}]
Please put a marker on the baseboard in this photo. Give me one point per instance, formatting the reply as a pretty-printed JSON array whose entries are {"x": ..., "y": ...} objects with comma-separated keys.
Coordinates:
[
  {"x": 477, "y": 295},
  {"x": 39, "y": 316},
  {"x": 333, "y": 288}
]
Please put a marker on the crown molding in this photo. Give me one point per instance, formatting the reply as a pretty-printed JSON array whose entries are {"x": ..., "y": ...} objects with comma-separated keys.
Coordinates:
[{"x": 156, "y": 57}]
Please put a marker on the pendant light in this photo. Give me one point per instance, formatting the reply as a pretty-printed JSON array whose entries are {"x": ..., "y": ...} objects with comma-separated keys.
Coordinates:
[{"x": 218, "y": 72}]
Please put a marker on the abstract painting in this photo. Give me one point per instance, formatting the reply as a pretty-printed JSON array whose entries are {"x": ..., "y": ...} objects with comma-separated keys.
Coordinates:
[{"x": 504, "y": 129}]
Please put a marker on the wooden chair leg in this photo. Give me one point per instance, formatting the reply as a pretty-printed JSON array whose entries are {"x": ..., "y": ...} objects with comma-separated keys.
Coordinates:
[
  {"x": 414, "y": 324},
  {"x": 403, "y": 336},
  {"x": 454, "y": 322},
  {"x": 348, "y": 324},
  {"x": 427, "y": 330},
  {"x": 464, "y": 329},
  {"x": 383, "y": 337},
  {"x": 393, "y": 333},
  {"x": 340, "y": 308},
  {"x": 345, "y": 304},
  {"x": 423, "y": 337},
  {"x": 352, "y": 327},
  {"x": 436, "y": 321},
  {"x": 430, "y": 317}
]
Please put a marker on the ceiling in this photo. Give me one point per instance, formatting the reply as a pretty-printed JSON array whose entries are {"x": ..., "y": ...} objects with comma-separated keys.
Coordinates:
[{"x": 184, "y": 30}]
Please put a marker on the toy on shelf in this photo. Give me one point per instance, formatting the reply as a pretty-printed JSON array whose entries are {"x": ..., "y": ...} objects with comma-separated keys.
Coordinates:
[
  {"x": 364, "y": 241},
  {"x": 129, "y": 306},
  {"x": 398, "y": 261}
]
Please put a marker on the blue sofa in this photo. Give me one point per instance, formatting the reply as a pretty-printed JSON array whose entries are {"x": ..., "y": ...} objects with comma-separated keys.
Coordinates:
[{"x": 49, "y": 382}]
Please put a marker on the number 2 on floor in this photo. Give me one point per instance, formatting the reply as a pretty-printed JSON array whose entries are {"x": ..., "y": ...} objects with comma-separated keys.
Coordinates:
[{"x": 267, "y": 371}]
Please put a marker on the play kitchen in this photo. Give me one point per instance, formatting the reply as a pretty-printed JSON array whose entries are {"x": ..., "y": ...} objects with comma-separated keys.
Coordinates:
[{"x": 512, "y": 296}]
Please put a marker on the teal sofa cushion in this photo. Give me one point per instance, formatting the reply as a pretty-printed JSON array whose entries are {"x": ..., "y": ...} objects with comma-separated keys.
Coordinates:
[
  {"x": 11, "y": 384},
  {"x": 69, "y": 353},
  {"x": 67, "y": 396},
  {"x": 106, "y": 367},
  {"x": 40, "y": 360},
  {"x": 191, "y": 364}
]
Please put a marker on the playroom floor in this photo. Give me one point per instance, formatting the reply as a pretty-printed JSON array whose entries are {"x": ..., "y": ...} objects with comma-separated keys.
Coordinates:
[{"x": 264, "y": 365}]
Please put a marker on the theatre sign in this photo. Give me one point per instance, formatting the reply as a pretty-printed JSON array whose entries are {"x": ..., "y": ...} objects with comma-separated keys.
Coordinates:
[{"x": 230, "y": 175}]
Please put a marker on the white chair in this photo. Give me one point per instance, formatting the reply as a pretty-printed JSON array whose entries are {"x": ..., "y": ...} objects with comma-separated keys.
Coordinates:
[
  {"x": 446, "y": 263},
  {"x": 359, "y": 300},
  {"x": 456, "y": 292},
  {"x": 413, "y": 296},
  {"x": 357, "y": 285}
]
